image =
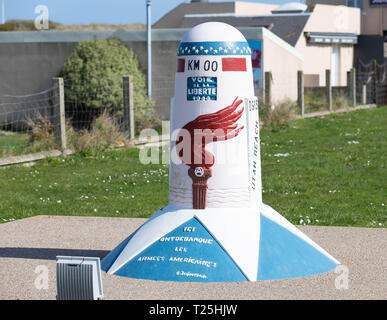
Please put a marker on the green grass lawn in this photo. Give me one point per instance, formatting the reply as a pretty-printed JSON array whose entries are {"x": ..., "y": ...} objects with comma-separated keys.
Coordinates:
[
  {"x": 21, "y": 143},
  {"x": 13, "y": 144},
  {"x": 322, "y": 171}
]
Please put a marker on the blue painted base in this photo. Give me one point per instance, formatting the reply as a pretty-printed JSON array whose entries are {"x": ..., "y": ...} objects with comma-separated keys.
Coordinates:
[
  {"x": 190, "y": 253},
  {"x": 284, "y": 255}
]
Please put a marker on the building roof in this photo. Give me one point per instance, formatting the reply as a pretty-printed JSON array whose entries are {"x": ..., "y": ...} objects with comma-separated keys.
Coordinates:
[
  {"x": 291, "y": 7},
  {"x": 289, "y": 27},
  {"x": 174, "y": 17}
]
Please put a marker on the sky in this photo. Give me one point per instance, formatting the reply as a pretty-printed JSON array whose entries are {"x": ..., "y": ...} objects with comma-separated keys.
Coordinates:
[{"x": 99, "y": 11}]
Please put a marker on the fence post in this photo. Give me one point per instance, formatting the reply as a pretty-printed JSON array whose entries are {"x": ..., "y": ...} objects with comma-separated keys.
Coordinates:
[
  {"x": 375, "y": 81},
  {"x": 352, "y": 87},
  {"x": 348, "y": 80},
  {"x": 59, "y": 110},
  {"x": 127, "y": 82},
  {"x": 328, "y": 89},
  {"x": 268, "y": 78},
  {"x": 364, "y": 94},
  {"x": 300, "y": 91}
]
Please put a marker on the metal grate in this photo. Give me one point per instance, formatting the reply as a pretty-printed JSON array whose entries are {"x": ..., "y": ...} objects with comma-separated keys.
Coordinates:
[{"x": 78, "y": 278}]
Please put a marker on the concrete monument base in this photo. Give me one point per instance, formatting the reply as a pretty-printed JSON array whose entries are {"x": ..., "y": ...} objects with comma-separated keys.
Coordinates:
[{"x": 217, "y": 245}]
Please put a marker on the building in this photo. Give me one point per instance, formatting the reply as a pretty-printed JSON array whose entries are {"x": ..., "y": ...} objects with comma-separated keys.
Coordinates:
[
  {"x": 373, "y": 13},
  {"x": 372, "y": 43},
  {"x": 322, "y": 42},
  {"x": 329, "y": 45},
  {"x": 174, "y": 18},
  {"x": 279, "y": 55}
]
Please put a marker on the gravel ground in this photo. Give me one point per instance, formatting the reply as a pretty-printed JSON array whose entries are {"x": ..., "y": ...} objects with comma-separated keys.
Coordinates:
[{"x": 28, "y": 244}]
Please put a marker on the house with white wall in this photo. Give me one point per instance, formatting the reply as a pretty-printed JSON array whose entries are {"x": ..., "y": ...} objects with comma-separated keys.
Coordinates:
[{"x": 322, "y": 35}]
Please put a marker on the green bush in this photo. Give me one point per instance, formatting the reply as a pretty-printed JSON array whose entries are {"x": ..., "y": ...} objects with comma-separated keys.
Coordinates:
[
  {"x": 105, "y": 133},
  {"x": 93, "y": 76}
]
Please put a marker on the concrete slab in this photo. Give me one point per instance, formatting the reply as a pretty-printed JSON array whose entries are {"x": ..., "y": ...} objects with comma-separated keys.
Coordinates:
[{"x": 28, "y": 244}]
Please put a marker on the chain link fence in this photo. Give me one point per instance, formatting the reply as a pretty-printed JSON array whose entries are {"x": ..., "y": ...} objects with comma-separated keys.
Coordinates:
[
  {"x": 371, "y": 82},
  {"x": 85, "y": 101},
  {"x": 72, "y": 109},
  {"x": 24, "y": 117}
]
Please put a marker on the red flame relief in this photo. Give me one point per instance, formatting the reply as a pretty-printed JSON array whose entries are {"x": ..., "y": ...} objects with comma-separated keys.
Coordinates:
[{"x": 207, "y": 128}]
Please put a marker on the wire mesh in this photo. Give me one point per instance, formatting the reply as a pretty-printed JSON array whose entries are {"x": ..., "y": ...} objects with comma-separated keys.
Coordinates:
[
  {"x": 315, "y": 99},
  {"x": 381, "y": 84},
  {"x": 22, "y": 115},
  {"x": 86, "y": 100},
  {"x": 372, "y": 77}
]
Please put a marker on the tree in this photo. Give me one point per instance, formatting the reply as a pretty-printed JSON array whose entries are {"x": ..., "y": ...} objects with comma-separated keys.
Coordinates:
[{"x": 93, "y": 75}]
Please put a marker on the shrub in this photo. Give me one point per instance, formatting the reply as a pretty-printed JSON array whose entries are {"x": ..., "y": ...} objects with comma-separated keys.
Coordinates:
[
  {"x": 42, "y": 134},
  {"x": 105, "y": 133},
  {"x": 340, "y": 102},
  {"x": 6, "y": 27},
  {"x": 146, "y": 120},
  {"x": 278, "y": 117},
  {"x": 94, "y": 74},
  {"x": 314, "y": 101},
  {"x": 24, "y": 25}
]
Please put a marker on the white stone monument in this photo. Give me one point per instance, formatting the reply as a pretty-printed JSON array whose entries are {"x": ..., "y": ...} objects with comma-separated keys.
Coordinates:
[{"x": 216, "y": 228}]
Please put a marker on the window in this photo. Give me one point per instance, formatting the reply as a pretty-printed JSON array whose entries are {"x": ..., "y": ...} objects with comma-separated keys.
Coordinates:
[{"x": 355, "y": 4}]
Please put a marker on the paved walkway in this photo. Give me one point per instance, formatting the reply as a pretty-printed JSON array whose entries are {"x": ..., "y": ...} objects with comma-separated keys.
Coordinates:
[{"x": 29, "y": 243}]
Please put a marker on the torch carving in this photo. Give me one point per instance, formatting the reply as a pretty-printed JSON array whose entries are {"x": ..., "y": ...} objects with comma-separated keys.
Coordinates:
[{"x": 206, "y": 128}]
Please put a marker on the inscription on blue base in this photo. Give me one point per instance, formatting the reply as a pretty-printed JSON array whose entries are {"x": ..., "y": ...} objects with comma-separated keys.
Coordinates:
[{"x": 188, "y": 253}]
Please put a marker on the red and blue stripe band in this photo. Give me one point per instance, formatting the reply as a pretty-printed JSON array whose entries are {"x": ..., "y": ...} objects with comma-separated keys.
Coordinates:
[{"x": 214, "y": 48}]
